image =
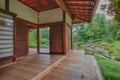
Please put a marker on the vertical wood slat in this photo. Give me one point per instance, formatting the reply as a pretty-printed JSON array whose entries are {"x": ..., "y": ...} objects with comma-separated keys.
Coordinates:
[
  {"x": 21, "y": 39},
  {"x": 71, "y": 39},
  {"x": 64, "y": 34},
  {"x": 38, "y": 35},
  {"x": 14, "y": 56},
  {"x": 64, "y": 39},
  {"x": 56, "y": 39},
  {"x": 38, "y": 40}
]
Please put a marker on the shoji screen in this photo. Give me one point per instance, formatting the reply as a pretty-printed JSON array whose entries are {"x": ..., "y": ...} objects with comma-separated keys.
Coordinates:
[{"x": 6, "y": 35}]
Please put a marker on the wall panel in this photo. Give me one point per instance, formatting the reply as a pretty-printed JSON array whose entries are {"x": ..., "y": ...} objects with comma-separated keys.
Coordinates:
[
  {"x": 21, "y": 39},
  {"x": 2, "y": 4},
  {"x": 68, "y": 37},
  {"x": 56, "y": 39},
  {"x": 51, "y": 16},
  {"x": 23, "y": 11}
]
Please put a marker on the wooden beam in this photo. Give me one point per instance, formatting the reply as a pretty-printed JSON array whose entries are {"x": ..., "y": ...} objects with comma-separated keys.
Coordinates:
[
  {"x": 79, "y": 15},
  {"x": 79, "y": 8},
  {"x": 38, "y": 40},
  {"x": 81, "y": 11},
  {"x": 50, "y": 24},
  {"x": 64, "y": 39},
  {"x": 63, "y": 6},
  {"x": 95, "y": 8},
  {"x": 64, "y": 46},
  {"x": 14, "y": 56},
  {"x": 38, "y": 36},
  {"x": 26, "y": 22},
  {"x": 7, "y": 12},
  {"x": 71, "y": 39},
  {"x": 7, "y": 5},
  {"x": 78, "y": 2}
]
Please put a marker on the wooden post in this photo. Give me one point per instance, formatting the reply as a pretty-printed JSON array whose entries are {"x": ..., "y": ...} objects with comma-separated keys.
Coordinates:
[
  {"x": 64, "y": 34},
  {"x": 64, "y": 39},
  {"x": 14, "y": 56},
  {"x": 71, "y": 39},
  {"x": 7, "y": 5},
  {"x": 38, "y": 40},
  {"x": 38, "y": 36}
]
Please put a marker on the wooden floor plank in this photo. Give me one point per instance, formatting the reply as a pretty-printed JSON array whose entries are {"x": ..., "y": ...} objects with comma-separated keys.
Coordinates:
[
  {"x": 75, "y": 66},
  {"x": 69, "y": 69},
  {"x": 28, "y": 67}
]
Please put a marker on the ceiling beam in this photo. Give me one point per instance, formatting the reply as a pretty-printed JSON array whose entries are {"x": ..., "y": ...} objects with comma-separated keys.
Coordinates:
[
  {"x": 78, "y": 2},
  {"x": 74, "y": 7},
  {"x": 63, "y": 6},
  {"x": 95, "y": 8}
]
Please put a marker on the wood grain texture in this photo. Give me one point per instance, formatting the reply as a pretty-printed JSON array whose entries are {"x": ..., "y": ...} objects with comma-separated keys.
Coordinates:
[
  {"x": 69, "y": 69},
  {"x": 21, "y": 39},
  {"x": 28, "y": 67},
  {"x": 56, "y": 39}
]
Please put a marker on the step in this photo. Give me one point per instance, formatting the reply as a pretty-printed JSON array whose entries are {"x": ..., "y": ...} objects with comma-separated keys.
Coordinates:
[{"x": 91, "y": 70}]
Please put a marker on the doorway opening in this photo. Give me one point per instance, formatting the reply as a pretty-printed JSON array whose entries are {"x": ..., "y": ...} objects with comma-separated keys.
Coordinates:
[
  {"x": 32, "y": 41},
  {"x": 45, "y": 40}
]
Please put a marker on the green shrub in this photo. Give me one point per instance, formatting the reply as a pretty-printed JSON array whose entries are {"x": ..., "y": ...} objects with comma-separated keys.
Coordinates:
[
  {"x": 109, "y": 68},
  {"x": 116, "y": 56},
  {"x": 118, "y": 35},
  {"x": 33, "y": 45},
  {"x": 109, "y": 39}
]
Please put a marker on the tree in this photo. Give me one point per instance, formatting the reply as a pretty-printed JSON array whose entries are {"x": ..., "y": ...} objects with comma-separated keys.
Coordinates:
[{"x": 113, "y": 9}]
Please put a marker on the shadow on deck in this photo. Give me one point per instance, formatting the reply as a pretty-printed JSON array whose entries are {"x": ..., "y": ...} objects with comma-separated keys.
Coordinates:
[{"x": 75, "y": 66}]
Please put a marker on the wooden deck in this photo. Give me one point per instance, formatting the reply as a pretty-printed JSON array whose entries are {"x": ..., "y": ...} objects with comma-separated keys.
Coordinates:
[
  {"x": 75, "y": 66},
  {"x": 28, "y": 67},
  {"x": 69, "y": 69}
]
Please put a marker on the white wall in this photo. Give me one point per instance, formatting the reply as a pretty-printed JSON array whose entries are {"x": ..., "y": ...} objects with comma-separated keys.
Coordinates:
[
  {"x": 2, "y": 4},
  {"x": 50, "y": 16},
  {"x": 23, "y": 11}
]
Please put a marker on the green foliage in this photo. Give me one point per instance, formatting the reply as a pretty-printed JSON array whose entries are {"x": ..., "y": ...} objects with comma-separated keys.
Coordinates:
[
  {"x": 99, "y": 30},
  {"x": 102, "y": 34},
  {"x": 110, "y": 69},
  {"x": 32, "y": 45},
  {"x": 116, "y": 56},
  {"x": 114, "y": 8},
  {"x": 118, "y": 35},
  {"x": 109, "y": 39},
  {"x": 44, "y": 38}
]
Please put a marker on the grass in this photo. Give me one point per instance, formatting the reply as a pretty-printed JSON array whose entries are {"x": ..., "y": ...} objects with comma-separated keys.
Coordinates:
[
  {"x": 109, "y": 68},
  {"x": 116, "y": 45}
]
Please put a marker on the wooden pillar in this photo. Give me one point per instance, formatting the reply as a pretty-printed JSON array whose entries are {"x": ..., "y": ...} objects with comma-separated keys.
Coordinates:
[
  {"x": 38, "y": 35},
  {"x": 14, "y": 56},
  {"x": 38, "y": 40},
  {"x": 71, "y": 39},
  {"x": 64, "y": 39},
  {"x": 64, "y": 34}
]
